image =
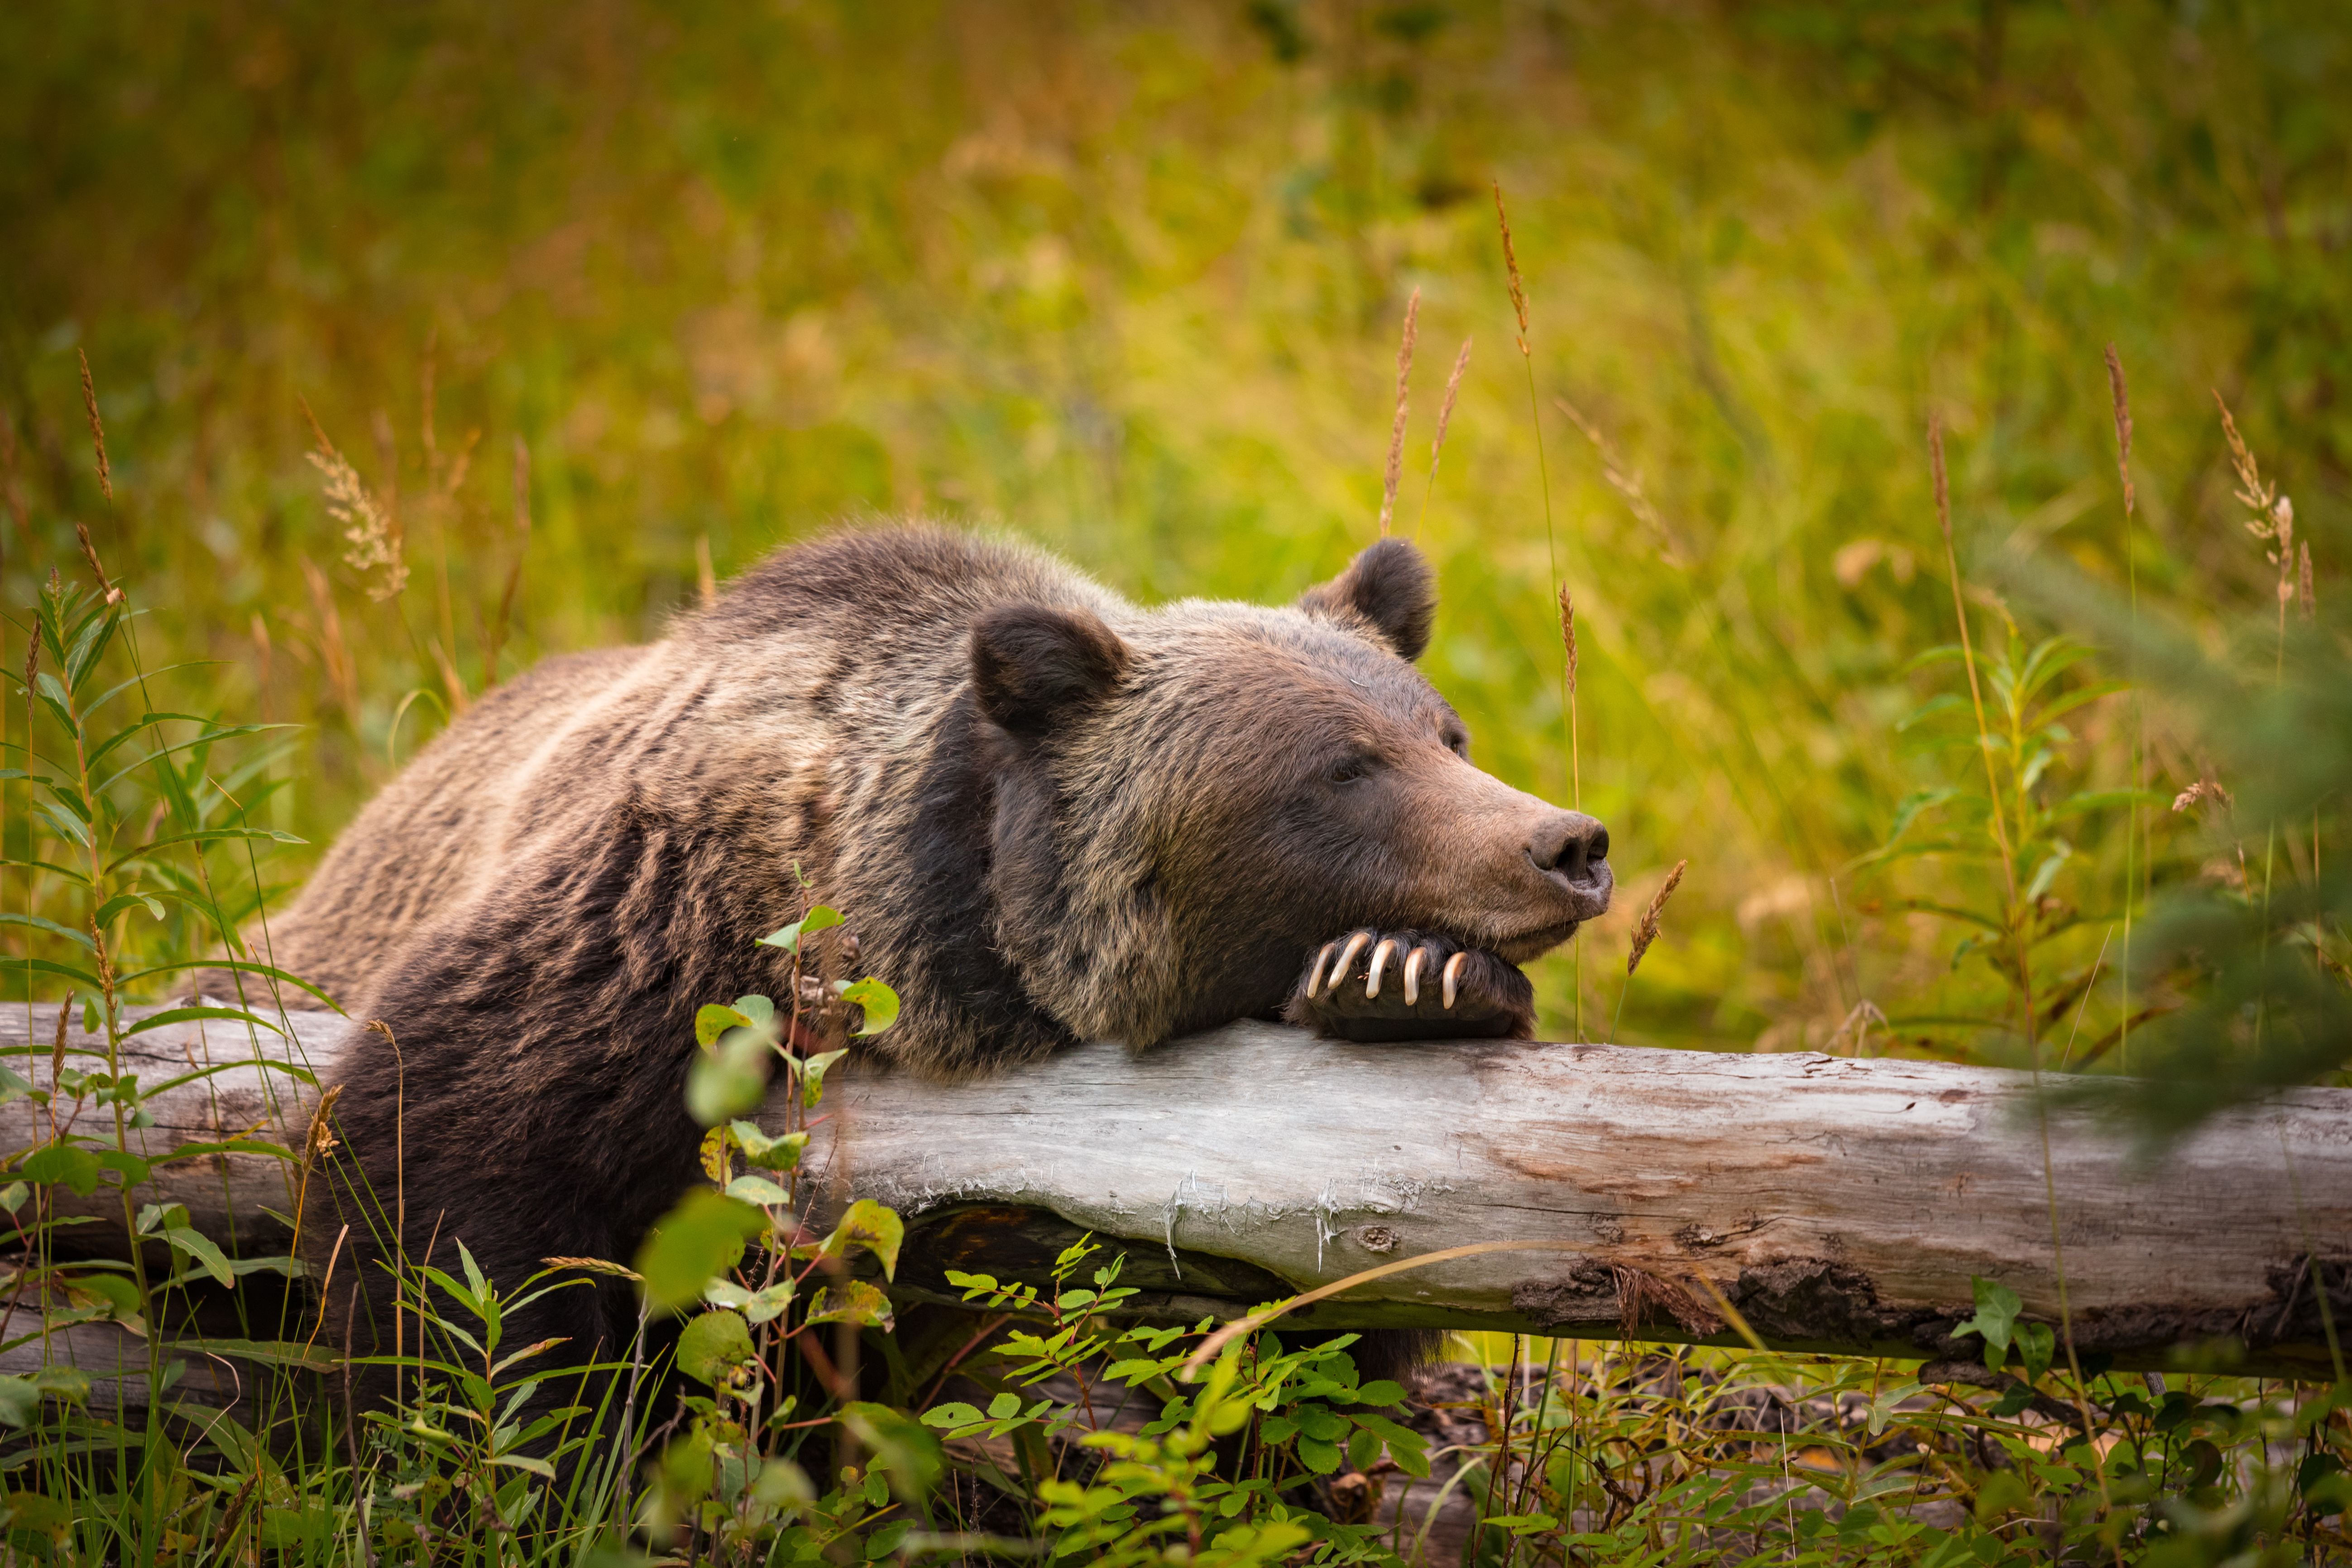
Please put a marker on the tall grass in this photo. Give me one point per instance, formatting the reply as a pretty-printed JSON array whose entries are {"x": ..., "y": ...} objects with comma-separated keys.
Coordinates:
[{"x": 1146, "y": 321}]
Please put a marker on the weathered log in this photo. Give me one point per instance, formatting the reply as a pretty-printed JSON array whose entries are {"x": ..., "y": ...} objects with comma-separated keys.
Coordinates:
[{"x": 1834, "y": 1203}]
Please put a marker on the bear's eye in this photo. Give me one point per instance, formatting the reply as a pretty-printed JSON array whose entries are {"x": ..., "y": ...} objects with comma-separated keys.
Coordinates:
[
  {"x": 1348, "y": 770},
  {"x": 1458, "y": 742}
]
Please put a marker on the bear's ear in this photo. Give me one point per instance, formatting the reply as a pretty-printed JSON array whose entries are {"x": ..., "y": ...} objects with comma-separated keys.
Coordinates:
[
  {"x": 1390, "y": 586},
  {"x": 1030, "y": 663}
]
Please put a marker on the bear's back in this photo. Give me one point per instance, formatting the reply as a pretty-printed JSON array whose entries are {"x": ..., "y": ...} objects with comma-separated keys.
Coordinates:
[{"x": 817, "y": 673}]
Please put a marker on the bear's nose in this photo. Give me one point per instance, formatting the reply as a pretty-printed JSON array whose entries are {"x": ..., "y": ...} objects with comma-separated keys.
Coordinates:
[{"x": 1570, "y": 842}]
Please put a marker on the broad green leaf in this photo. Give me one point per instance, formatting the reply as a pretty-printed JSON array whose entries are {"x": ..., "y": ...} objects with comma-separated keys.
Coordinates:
[
  {"x": 758, "y": 1190},
  {"x": 1318, "y": 1455},
  {"x": 203, "y": 1251},
  {"x": 811, "y": 1071},
  {"x": 123, "y": 902},
  {"x": 714, "y": 1020},
  {"x": 767, "y": 1305},
  {"x": 713, "y": 1345},
  {"x": 820, "y": 917},
  {"x": 1408, "y": 1448},
  {"x": 880, "y": 1002},
  {"x": 768, "y": 1154},
  {"x": 782, "y": 1484},
  {"x": 1996, "y": 1314},
  {"x": 904, "y": 1451},
  {"x": 2047, "y": 872},
  {"x": 955, "y": 1413},
  {"x": 67, "y": 1164},
  {"x": 20, "y": 1401},
  {"x": 851, "y": 1302},
  {"x": 728, "y": 1078},
  {"x": 119, "y": 1291},
  {"x": 702, "y": 1236},
  {"x": 160, "y": 1217},
  {"x": 872, "y": 1226},
  {"x": 2036, "y": 1344}
]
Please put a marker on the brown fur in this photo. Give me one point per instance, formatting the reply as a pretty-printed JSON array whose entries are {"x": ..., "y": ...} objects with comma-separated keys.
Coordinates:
[{"x": 1048, "y": 814}]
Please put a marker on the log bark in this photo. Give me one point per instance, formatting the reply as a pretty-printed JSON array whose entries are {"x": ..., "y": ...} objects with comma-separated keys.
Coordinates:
[{"x": 1831, "y": 1203}]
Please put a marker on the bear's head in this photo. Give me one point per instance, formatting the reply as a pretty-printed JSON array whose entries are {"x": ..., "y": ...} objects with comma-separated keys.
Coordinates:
[{"x": 1189, "y": 801}]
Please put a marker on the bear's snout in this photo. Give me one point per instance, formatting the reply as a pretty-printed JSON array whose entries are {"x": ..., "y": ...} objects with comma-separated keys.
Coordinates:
[{"x": 1569, "y": 843}]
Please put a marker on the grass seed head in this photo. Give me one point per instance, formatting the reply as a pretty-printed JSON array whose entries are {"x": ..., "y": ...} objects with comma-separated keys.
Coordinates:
[
  {"x": 1647, "y": 931},
  {"x": 1511, "y": 267},
  {"x": 1936, "y": 464},
  {"x": 97, "y": 430},
  {"x": 1396, "y": 432},
  {"x": 113, "y": 594},
  {"x": 2204, "y": 789},
  {"x": 522, "y": 489},
  {"x": 1445, "y": 409},
  {"x": 369, "y": 526},
  {"x": 1568, "y": 635},
  {"x": 2251, "y": 489},
  {"x": 322, "y": 1138},
  {"x": 2122, "y": 424}
]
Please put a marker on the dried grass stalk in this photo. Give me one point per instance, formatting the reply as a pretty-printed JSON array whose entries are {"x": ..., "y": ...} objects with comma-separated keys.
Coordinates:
[
  {"x": 2274, "y": 519},
  {"x": 2122, "y": 424},
  {"x": 1943, "y": 489},
  {"x": 1626, "y": 480},
  {"x": 1395, "y": 468},
  {"x": 1647, "y": 931},
  {"x": 97, "y": 430},
  {"x": 2310, "y": 601},
  {"x": 1511, "y": 266},
  {"x": 334, "y": 653},
  {"x": 98, "y": 569},
  {"x": 320, "y": 1138},
  {"x": 1445, "y": 409},
  {"x": 1568, "y": 634},
  {"x": 514, "y": 571},
  {"x": 371, "y": 525},
  {"x": 2204, "y": 789}
]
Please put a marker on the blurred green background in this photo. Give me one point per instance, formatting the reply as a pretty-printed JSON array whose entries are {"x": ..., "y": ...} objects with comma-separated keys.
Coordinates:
[{"x": 1127, "y": 279}]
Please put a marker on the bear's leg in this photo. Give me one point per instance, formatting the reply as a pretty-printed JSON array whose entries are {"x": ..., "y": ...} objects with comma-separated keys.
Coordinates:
[{"x": 1372, "y": 985}]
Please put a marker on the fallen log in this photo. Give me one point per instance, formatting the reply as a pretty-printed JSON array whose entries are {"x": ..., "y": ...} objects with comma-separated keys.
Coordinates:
[{"x": 1831, "y": 1203}]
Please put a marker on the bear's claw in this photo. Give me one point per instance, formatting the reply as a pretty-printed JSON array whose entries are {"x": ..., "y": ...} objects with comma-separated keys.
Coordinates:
[{"x": 1477, "y": 994}]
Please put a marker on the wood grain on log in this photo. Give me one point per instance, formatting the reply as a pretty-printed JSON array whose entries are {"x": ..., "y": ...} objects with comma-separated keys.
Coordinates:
[{"x": 1834, "y": 1204}]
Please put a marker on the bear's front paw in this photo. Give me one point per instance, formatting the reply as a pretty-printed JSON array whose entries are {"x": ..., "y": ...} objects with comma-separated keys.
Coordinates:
[{"x": 1372, "y": 985}]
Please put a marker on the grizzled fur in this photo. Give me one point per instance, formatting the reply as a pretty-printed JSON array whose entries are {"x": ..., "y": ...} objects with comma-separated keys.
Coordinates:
[{"x": 1049, "y": 816}]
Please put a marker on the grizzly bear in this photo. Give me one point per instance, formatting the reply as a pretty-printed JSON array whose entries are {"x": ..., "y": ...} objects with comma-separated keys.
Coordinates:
[{"x": 1049, "y": 816}]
